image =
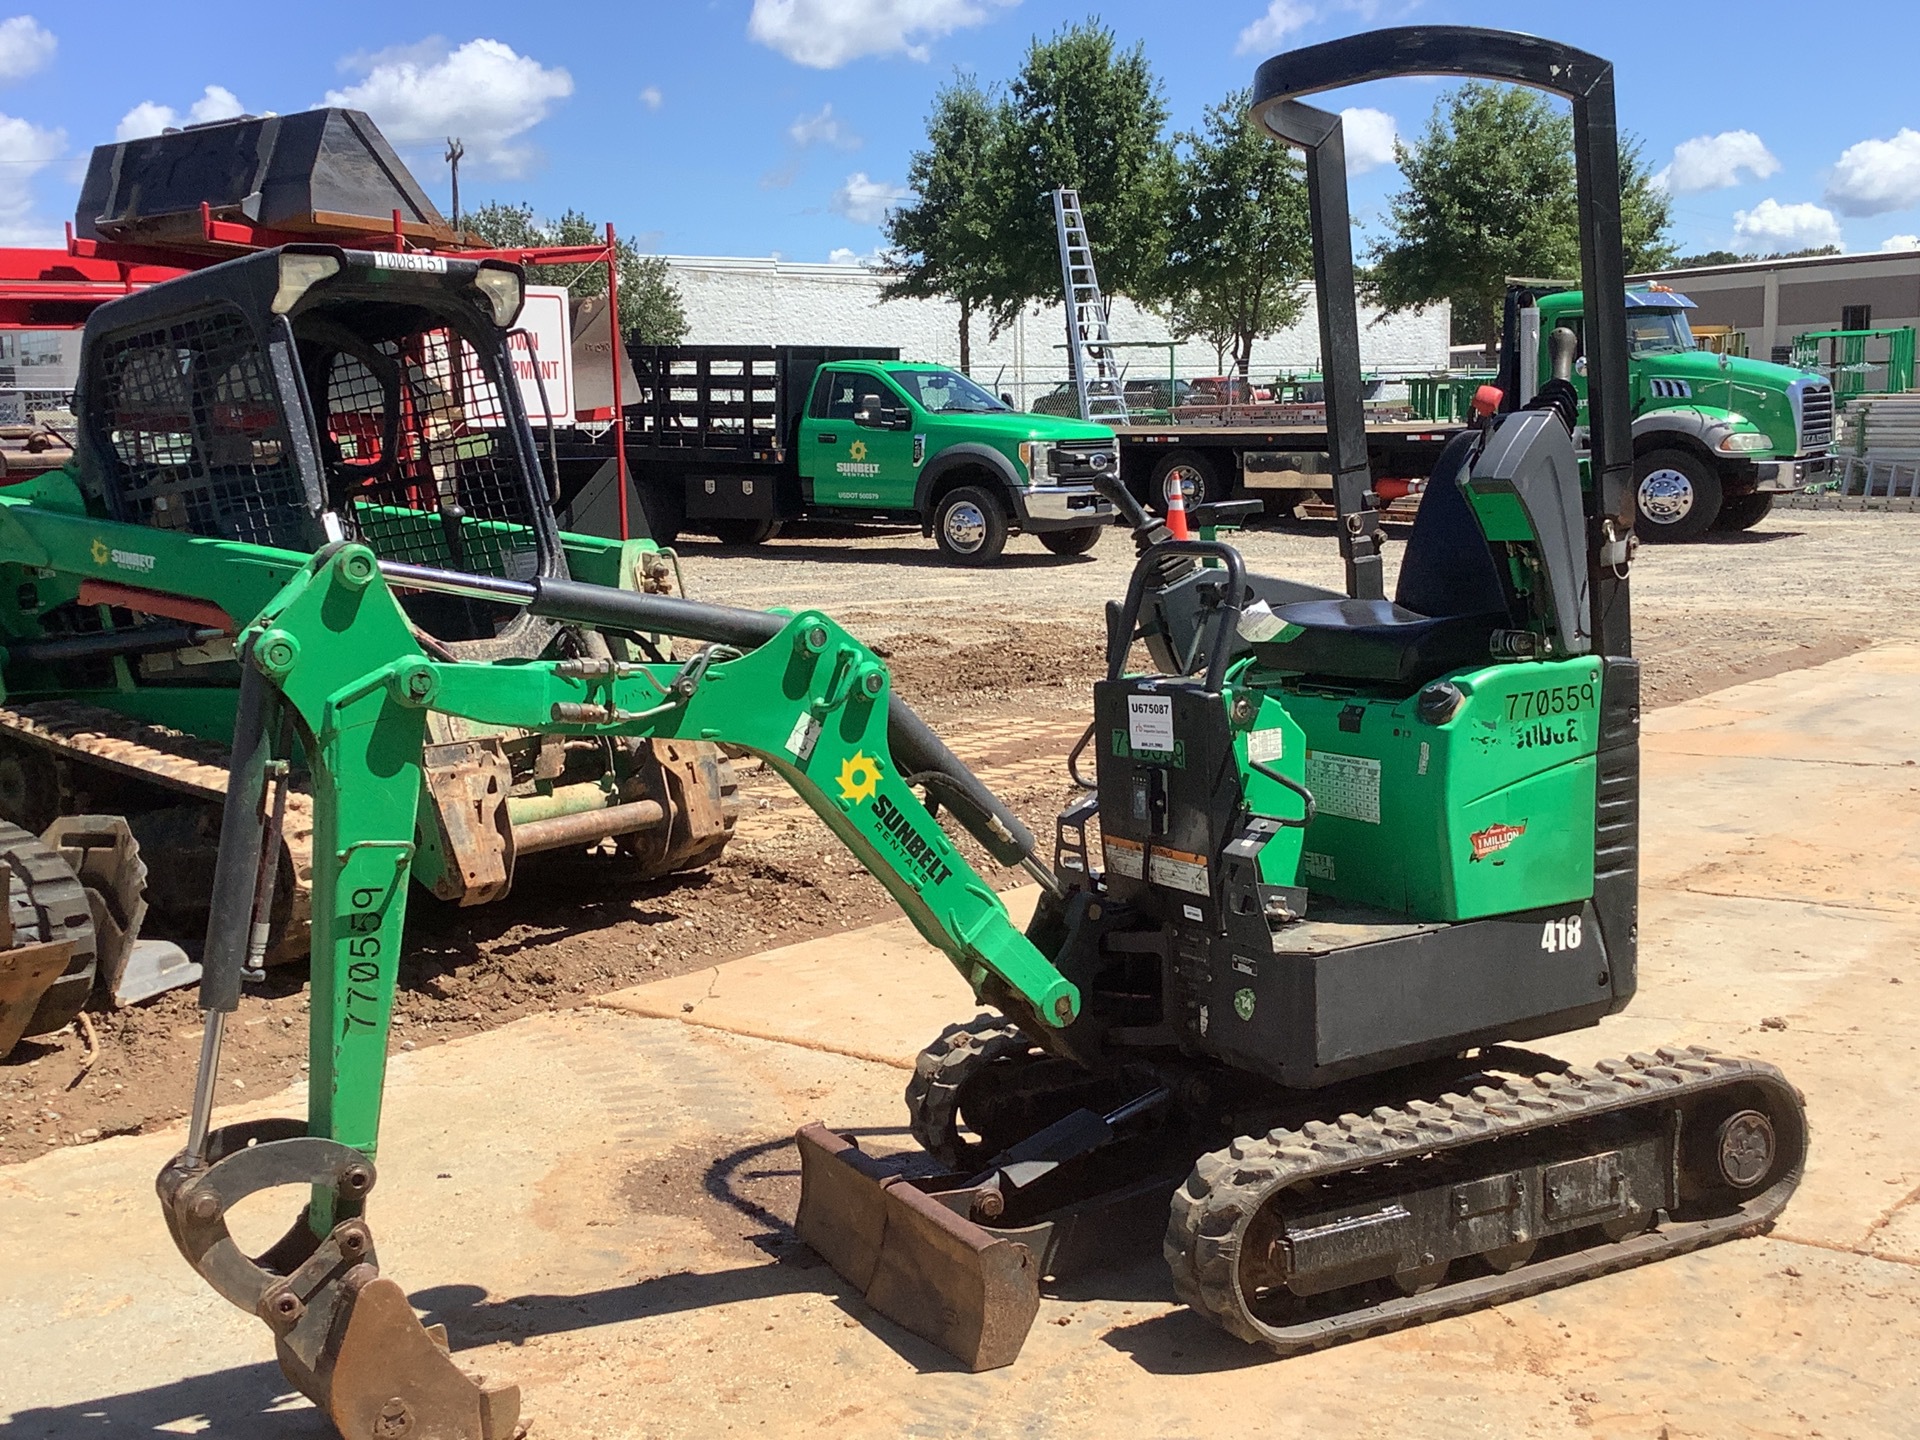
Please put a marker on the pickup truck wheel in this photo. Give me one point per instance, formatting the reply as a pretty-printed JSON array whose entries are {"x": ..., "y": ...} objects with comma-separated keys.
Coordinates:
[
  {"x": 1743, "y": 512},
  {"x": 1190, "y": 472},
  {"x": 745, "y": 532},
  {"x": 1676, "y": 496},
  {"x": 1071, "y": 542},
  {"x": 970, "y": 525}
]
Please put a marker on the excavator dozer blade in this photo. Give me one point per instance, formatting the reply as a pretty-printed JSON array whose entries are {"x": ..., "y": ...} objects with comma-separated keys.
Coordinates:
[{"x": 927, "y": 1269}]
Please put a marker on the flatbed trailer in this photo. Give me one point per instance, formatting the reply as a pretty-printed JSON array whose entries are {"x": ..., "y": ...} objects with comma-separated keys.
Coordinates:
[{"x": 1282, "y": 460}]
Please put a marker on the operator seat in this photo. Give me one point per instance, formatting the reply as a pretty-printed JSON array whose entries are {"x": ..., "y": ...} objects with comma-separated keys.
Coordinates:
[{"x": 1449, "y": 601}]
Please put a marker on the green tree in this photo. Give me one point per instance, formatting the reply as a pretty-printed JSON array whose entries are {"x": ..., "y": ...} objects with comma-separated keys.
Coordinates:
[
  {"x": 1490, "y": 193},
  {"x": 1241, "y": 245},
  {"x": 1086, "y": 116},
  {"x": 1646, "y": 212},
  {"x": 1710, "y": 257},
  {"x": 942, "y": 240},
  {"x": 650, "y": 306}
]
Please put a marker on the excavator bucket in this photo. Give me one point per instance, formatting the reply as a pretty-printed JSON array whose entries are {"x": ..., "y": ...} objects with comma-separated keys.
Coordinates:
[
  {"x": 345, "y": 1335},
  {"x": 918, "y": 1262}
]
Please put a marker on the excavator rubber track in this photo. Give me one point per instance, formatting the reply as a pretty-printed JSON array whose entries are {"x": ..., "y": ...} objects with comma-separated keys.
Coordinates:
[
  {"x": 195, "y": 769},
  {"x": 1305, "y": 1238}
]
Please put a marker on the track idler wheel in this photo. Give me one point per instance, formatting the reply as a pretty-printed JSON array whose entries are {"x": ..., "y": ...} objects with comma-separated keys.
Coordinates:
[{"x": 345, "y": 1335}]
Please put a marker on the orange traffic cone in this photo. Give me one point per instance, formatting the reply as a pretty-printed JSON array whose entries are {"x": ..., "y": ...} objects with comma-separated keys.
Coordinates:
[{"x": 1177, "y": 512}]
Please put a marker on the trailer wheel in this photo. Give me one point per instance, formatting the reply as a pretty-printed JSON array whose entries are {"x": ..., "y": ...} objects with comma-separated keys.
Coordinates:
[
  {"x": 745, "y": 532},
  {"x": 970, "y": 525},
  {"x": 1071, "y": 542},
  {"x": 1743, "y": 512},
  {"x": 1676, "y": 496},
  {"x": 1191, "y": 472}
]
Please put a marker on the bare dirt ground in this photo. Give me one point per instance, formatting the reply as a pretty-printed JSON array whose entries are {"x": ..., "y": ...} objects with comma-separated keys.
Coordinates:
[{"x": 999, "y": 661}]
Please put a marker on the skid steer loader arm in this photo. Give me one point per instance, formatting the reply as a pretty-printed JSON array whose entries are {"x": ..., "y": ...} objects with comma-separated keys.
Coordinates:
[{"x": 334, "y": 654}]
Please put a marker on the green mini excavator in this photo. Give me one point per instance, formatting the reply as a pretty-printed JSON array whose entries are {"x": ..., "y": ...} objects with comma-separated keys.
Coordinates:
[{"x": 1337, "y": 858}]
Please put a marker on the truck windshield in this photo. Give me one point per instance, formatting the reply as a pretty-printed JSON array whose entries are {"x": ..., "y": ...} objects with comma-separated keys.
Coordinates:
[
  {"x": 1659, "y": 332},
  {"x": 946, "y": 392}
]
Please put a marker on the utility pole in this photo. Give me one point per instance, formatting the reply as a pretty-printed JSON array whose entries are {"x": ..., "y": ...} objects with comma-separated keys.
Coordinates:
[{"x": 455, "y": 151}]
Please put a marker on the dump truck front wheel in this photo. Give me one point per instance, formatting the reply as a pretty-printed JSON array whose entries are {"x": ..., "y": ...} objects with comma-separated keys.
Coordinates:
[{"x": 1676, "y": 495}]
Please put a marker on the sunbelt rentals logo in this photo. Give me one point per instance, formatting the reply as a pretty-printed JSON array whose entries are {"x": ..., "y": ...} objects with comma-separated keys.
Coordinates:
[
  {"x": 124, "y": 559},
  {"x": 859, "y": 778},
  {"x": 856, "y": 462},
  {"x": 860, "y": 782}
]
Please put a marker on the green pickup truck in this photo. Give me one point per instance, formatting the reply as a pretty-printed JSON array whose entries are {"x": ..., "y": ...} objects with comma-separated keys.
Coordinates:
[
  {"x": 737, "y": 440},
  {"x": 1715, "y": 437}
]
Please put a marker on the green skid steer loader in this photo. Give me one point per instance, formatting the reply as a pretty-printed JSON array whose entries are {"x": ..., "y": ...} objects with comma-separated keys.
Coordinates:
[
  {"x": 1336, "y": 857},
  {"x": 233, "y": 422}
]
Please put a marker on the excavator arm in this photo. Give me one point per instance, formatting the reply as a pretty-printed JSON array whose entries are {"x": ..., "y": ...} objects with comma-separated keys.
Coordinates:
[{"x": 333, "y": 662}]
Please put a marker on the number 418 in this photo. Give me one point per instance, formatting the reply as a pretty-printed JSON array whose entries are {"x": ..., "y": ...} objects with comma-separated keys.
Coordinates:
[{"x": 1561, "y": 934}]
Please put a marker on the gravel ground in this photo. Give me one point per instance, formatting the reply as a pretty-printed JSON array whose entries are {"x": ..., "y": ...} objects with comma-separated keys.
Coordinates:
[{"x": 1000, "y": 661}]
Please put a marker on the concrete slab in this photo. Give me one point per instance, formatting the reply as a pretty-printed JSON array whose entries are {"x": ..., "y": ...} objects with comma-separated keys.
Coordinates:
[
  {"x": 595, "y": 1202},
  {"x": 878, "y": 993}
]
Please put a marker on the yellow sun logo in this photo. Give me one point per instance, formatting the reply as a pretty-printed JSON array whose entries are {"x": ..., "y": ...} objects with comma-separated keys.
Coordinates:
[
  {"x": 100, "y": 552},
  {"x": 859, "y": 777},
  {"x": 857, "y": 450}
]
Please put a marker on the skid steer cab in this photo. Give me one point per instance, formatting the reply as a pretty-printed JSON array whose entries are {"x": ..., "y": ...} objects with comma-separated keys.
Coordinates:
[{"x": 234, "y": 422}]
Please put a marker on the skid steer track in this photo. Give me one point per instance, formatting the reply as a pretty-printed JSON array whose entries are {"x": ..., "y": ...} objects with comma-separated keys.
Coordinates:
[{"x": 120, "y": 747}]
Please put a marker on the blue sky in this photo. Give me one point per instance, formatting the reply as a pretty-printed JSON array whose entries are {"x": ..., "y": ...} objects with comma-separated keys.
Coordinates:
[{"x": 751, "y": 127}]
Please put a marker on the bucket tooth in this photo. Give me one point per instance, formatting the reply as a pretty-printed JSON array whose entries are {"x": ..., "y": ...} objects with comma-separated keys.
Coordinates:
[{"x": 917, "y": 1262}]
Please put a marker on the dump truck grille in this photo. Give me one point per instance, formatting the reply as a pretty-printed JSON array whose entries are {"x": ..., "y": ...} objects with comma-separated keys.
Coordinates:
[{"x": 1815, "y": 407}]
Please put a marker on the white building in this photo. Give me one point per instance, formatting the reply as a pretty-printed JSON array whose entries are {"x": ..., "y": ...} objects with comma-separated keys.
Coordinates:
[{"x": 764, "y": 302}]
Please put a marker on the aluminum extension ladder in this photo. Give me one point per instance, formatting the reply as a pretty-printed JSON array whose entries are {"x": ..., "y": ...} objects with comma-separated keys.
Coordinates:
[{"x": 1096, "y": 375}]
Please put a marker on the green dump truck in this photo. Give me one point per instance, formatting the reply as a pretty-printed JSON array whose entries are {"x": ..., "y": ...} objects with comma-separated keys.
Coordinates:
[
  {"x": 736, "y": 440},
  {"x": 1715, "y": 437}
]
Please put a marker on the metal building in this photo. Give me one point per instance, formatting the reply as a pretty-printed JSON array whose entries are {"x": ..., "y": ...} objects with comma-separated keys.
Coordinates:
[{"x": 1769, "y": 302}]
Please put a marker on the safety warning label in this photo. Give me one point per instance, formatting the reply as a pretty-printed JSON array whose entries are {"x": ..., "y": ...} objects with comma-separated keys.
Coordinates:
[
  {"x": 1178, "y": 870},
  {"x": 1124, "y": 857}
]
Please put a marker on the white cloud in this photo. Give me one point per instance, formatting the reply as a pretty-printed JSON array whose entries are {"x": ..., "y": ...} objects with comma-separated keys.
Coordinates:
[
  {"x": 652, "y": 98},
  {"x": 1714, "y": 162},
  {"x": 841, "y": 255},
  {"x": 25, "y": 150},
  {"x": 1283, "y": 17},
  {"x": 150, "y": 117},
  {"x": 1369, "y": 135},
  {"x": 823, "y": 129},
  {"x": 865, "y": 201},
  {"x": 1787, "y": 227},
  {"x": 826, "y": 34},
  {"x": 1876, "y": 176},
  {"x": 26, "y": 46},
  {"x": 1899, "y": 242},
  {"x": 484, "y": 93}
]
